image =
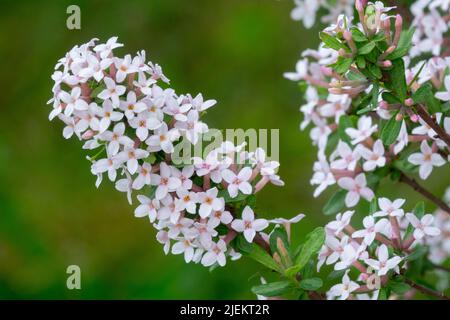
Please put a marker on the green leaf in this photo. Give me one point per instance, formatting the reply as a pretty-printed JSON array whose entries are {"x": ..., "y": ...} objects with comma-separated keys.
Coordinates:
[
  {"x": 419, "y": 209},
  {"x": 397, "y": 80},
  {"x": 399, "y": 287},
  {"x": 382, "y": 295},
  {"x": 418, "y": 252},
  {"x": 360, "y": 62},
  {"x": 374, "y": 100},
  {"x": 344, "y": 123},
  {"x": 311, "y": 284},
  {"x": 273, "y": 289},
  {"x": 312, "y": 245},
  {"x": 358, "y": 35},
  {"x": 331, "y": 42},
  {"x": 373, "y": 205},
  {"x": 404, "y": 44},
  {"x": 425, "y": 95},
  {"x": 367, "y": 48},
  {"x": 258, "y": 254},
  {"x": 342, "y": 65},
  {"x": 278, "y": 232},
  {"x": 228, "y": 199},
  {"x": 336, "y": 203},
  {"x": 336, "y": 274},
  {"x": 390, "y": 131},
  {"x": 375, "y": 70},
  {"x": 390, "y": 98}
]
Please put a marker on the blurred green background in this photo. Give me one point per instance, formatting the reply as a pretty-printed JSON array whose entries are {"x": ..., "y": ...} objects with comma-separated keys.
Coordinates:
[{"x": 51, "y": 214}]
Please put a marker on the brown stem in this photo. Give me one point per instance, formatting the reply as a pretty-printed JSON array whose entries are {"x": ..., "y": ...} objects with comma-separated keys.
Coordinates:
[
  {"x": 433, "y": 124},
  {"x": 262, "y": 243},
  {"x": 441, "y": 267},
  {"x": 417, "y": 187},
  {"x": 427, "y": 291}
]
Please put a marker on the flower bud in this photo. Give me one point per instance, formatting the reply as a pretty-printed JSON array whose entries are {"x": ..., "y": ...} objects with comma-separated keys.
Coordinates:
[{"x": 409, "y": 102}]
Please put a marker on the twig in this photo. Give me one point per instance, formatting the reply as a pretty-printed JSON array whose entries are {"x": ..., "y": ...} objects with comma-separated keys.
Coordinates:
[
  {"x": 417, "y": 187},
  {"x": 425, "y": 290},
  {"x": 433, "y": 124}
]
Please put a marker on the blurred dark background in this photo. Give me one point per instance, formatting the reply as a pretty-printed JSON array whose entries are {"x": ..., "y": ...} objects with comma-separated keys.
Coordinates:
[{"x": 51, "y": 214}]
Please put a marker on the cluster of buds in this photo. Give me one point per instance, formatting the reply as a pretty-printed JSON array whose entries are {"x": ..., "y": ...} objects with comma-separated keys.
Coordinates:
[{"x": 124, "y": 109}]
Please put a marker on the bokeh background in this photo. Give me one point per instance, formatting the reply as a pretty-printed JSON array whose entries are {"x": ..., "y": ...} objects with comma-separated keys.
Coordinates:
[{"x": 51, "y": 214}]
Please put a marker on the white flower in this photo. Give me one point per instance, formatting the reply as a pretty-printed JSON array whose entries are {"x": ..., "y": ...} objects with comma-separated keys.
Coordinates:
[
  {"x": 73, "y": 101},
  {"x": 383, "y": 264},
  {"x": 370, "y": 229},
  {"x": 184, "y": 176},
  {"x": 364, "y": 131},
  {"x": 305, "y": 11},
  {"x": 184, "y": 246},
  {"x": 322, "y": 175},
  {"x": 215, "y": 254},
  {"x": 144, "y": 176},
  {"x": 423, "y": 227},
  {"x": 295, "y": 219},
  {"x": 131, "y": 156},
  {"x": 107, "y": 114},
  {"x": 301, "y": 70},
  {"x": 426, "y": 159},
  {"x": 349, "y": 158},
  {"x": 95, "y": 68},
  {"x": 112, "y": 91},
  {"x": 131, "y": 106},
  {"x": 165, "y": 181},
  {"x": 106, "y": 48},
  {"x": 221, "y": 216},
  {"x": 248, "y": 224},
  {"x": 192, "y": 127},
  {"x": 109, "y": 165},
  {"x": 162, "y": 139},
  {"x": 209, "y": 202},
  {"x": 238, "y": 182},
  {"x": 124, "y": 67},
  {"x": 189, "y": 199},
  {"x": 342, "y": 220},
  {"x": 374, "y": 158},
  {"x": 143, "y": 123},
  {"x": 148, "y": 207},
  {"x": 201, "y": 105},
  {"x": 390, "y": 208},
  {"x": 356, "y": 188},
  {"x": 344, "y": 289},
  {"x": 116, "y": 138}
]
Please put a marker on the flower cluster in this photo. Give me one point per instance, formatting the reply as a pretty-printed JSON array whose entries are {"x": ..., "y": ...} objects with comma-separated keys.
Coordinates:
[
  {"x": 379, "y": 250},
  {"x": 123, "y": 108}
]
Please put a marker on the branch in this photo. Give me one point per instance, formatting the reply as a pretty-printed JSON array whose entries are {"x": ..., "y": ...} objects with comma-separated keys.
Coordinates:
[
  {"x": 417, "y": 187},
  {"x": 433, "y": 124},
  {"x": 427, "y": 291}
]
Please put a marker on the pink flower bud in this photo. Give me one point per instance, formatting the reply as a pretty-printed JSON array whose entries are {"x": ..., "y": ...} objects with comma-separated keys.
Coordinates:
[
  {"x": 387, "y": 64},
  {"x": 399, "y": 117},
  {"x": 326, "y": 71},
  {"x": 409, "y": 102},
  {"x": 383, "y": 105},
  {"x": 347, "y": 35},
  {"x": 414, "y": 118},
  {"x": 87, "y": 135}
]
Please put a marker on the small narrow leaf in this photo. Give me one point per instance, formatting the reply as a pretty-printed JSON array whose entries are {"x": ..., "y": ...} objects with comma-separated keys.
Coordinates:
[
  {"x": 311, "y": 284},
  {"x": 390, "y": 131},
  {"x": 330, "y": 41},
  {"x": 273, "y": 289},
  {"x": 336, "y": 203},
  {"x": 367, "y": 48}
]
